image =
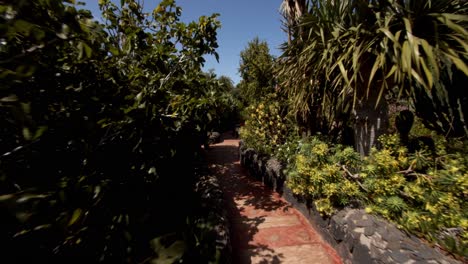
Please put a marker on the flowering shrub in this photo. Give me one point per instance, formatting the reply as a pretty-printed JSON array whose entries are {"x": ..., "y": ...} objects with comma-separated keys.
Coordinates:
[
  {"x": 423, "y": 192},
  {"x": 423, "y": 188},
  {"x": 316, "y": 173},
  {"x": 265, "y": 128}
]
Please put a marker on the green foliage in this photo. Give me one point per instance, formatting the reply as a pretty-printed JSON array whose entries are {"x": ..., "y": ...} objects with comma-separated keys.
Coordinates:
[
  {"x": 316, "y": 174},
  {"x": 423, "y": 192},
  {"x": 265, "y": 127},
  {"x": 286, "y": 151},
  {"x": 256, "y": 71},
  {"x": 362, "y": 51},
  {"x": 95, "y": 122}
]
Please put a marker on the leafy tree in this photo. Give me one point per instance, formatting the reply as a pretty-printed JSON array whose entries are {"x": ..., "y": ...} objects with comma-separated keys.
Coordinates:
[
  {"x": 357, "y": 53},
  {"x": 226, "y": 83},
  {"x": 256, "y": 71},
  {"x": 95, "y": 122}
]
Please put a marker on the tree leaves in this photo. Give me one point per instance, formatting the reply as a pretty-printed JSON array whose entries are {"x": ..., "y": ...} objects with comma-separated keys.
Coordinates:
[
  {"x": 75, "y": 216},
  {"x": 97, "y": 118},
  {"x": 373, "y": 47}
]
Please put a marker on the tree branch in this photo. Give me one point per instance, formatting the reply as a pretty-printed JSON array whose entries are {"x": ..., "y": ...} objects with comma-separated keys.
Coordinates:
[{"x": 354, "y": 177}]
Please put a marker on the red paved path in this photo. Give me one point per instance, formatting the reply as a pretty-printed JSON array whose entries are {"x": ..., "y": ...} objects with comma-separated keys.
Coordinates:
[{"x": 264, "y": 227}]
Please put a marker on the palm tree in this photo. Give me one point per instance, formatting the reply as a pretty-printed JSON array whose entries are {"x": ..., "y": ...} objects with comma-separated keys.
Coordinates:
[{"x": 355, "y": 53}]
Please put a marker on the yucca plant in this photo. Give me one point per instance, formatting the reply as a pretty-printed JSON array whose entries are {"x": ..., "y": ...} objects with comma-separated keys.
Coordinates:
[
  {"x": 355, "y": 53},
  {"x": 292, "y": 11}
]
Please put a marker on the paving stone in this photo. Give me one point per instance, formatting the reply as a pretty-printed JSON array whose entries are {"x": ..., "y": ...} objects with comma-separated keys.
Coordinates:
[
  {"x": 386, "y": 258},
  {"x": 283, "y": 236},
  {"x": 264, "y": 227},
  {"x": 261, "y": 233},
  {"x": 303, "y": 254},
  {"x": 279, "y": 221},
  {"x": 410, "y": 244},
  {"x": 394, "y": 245}
]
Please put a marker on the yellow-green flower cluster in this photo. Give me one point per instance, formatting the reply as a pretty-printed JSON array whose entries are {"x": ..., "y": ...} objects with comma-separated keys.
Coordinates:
[
  {"x": 422, "y": 192},
  {"x": 317, "y": 175},
  {"x": 264, "y": 129}
]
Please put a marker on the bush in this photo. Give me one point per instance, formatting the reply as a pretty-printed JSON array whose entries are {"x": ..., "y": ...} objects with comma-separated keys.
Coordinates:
[
  {"x": 266, "y": 126},
  {"x": 317, "y": 174},
  {"x": 96, "y": 120},
  {"x": 424, "y": 192}
]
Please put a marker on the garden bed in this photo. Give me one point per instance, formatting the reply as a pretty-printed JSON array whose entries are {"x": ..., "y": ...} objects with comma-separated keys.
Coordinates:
[{"x": 358, "y": 237}]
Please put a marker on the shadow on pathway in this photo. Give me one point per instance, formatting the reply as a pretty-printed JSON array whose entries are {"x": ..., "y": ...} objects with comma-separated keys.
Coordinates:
[{"x": 264, "y": 227}]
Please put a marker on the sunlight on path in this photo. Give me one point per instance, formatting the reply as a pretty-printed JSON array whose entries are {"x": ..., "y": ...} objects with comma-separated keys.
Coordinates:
[{"x": 264, "y": 227}]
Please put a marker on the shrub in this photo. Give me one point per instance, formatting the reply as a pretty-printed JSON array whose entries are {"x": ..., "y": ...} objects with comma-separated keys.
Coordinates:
[
  {"x": 316, "y": 173},
  {"x": 265, "y": 127},
  {"x": 423, "y": 192}
]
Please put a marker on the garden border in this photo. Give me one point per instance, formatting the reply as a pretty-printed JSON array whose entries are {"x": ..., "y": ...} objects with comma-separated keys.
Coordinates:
[{"x": 357, "y": 236}]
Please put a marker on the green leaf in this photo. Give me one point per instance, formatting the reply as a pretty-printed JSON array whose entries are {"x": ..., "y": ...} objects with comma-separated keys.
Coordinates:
[
  {"x": 427, "y": 72},
  {"x": 26, "y": 133},
  {"x": 114, "y": 51},
  {"x": 75, "y": 216},
  {"x": 429, "y": 52},
  {"x": 375, "y": 67},
  {"x": 24, "y": 27},
  {"x": 88, "y": 50},
  {"x": 168, "y": 248},
  {"x": 84, "y": 50},
  {"x": 452, "y": 16},
  {"x": 459, "y": 63},
  {"x": 419, "y": 79},
  {"x": 38, "y": 33},
  {"x": 39, "y": 132},
  {"x": 406, "y": 57},
  {"x": 9, "y": 99},
  {"x": 152, "y": 170}
]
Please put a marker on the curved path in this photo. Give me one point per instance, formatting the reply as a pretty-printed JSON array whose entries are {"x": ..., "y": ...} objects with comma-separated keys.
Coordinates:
[{"x": 264, "y": 227}]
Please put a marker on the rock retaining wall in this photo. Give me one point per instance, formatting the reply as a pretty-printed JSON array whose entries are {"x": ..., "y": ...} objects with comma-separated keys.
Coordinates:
[{"x": 357, "y": 236}]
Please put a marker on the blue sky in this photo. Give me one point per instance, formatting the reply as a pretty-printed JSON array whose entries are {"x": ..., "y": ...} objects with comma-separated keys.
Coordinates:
[{"x": 242, "y": 20}]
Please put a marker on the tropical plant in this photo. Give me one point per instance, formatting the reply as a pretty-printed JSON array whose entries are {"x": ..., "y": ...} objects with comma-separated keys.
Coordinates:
[
  {"x": 292, "y": 11},
  {"x": 356, "y": 53}
]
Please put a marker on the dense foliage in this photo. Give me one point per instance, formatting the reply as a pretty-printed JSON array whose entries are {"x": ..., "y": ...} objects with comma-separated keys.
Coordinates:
[
  {"x": 256, "y": 71},
  {"x": 349, "y": 68},
  {"x": 424, "y": 192},
  {"x": 96, "y": 120},
  {"x": 266, "y": 125},
  {"x": 348, "y": 58}
]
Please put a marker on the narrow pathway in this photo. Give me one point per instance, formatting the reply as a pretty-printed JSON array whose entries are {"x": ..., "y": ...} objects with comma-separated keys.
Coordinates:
[{"x": 264, "y": 227}]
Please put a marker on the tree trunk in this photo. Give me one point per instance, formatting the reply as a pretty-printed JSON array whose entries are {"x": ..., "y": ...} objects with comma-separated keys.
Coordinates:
[{"x": 370, "y": 122}]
